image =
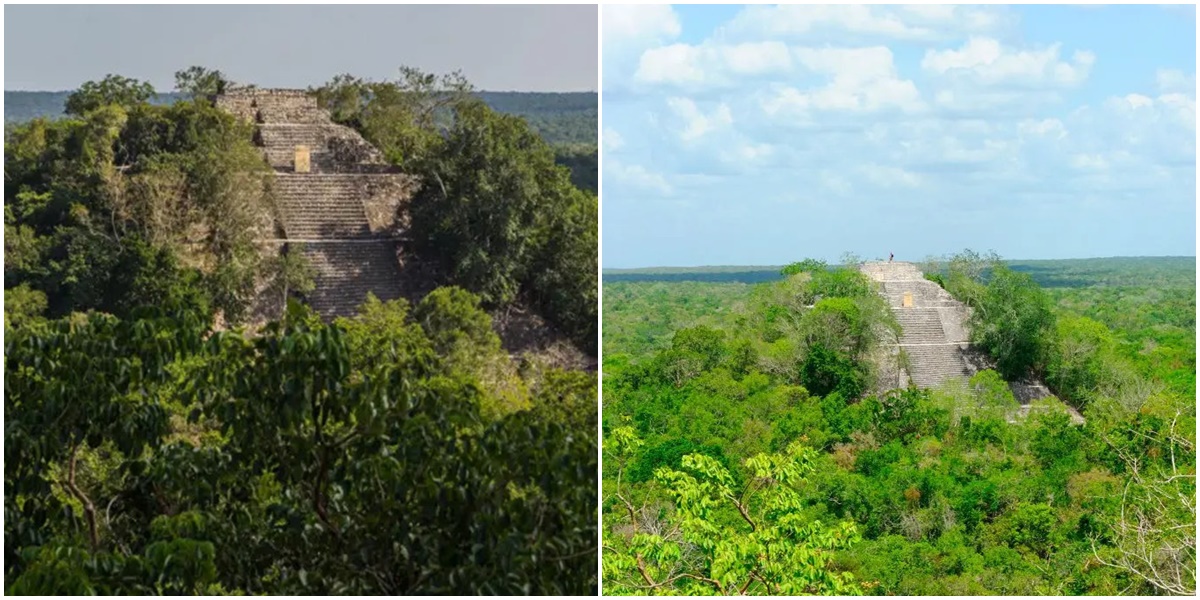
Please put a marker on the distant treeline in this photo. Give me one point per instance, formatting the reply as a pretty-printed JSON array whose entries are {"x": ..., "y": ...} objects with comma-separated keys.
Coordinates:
[
  {"x": 722, "y": 274},
  {"x": 1065, "y": 273}
]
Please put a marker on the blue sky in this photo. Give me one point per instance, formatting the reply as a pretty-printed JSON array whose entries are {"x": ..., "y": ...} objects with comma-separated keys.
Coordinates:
[{"x": 763, "y": 134}]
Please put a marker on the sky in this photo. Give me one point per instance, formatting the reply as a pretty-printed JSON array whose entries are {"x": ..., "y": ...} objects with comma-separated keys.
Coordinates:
[
  {"x": 499, "y": 48},
  {"x": 764, "y": 135}
]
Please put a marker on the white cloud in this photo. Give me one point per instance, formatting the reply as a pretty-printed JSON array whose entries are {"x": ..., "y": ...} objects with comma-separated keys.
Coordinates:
[
  {"x": 949, "y": 18},
  {"x": 756, "y": 58},
  {"x": 835, "y": 183},
  {"x": 1045, "y": 128},
  {"x": 1181, "y": 106},
  {"x": 885, "y": 176},
  {"x": 612, "y": 140},
  {"x": 935, "y": 12},
  {"x": 862, "y": 79},
  {"x": 711, "y": 64},
  {"x": 1174, "y": 80},
  {"x": 696, "y": 123},
  {"x": 1178, "y": 109},
  {"x": 919, "y": 22},
  {"x": 636, "y": 176},
  {"x": 675, "y": 64},
  {"x": 803, "y": 19},
  {"x": 856, "y": 63},
  {"x": 986, "y": 61},
  {"x": 1132, "y": 101},
  {"x": 626, "y": 23},
  {"x": 628, "y": 30},
  {"x": 1090, "y": 162},
  {"x": 750, "y": 152},
  {"x": 822, "y": 102},
  {"x": 992, "y": 103}
]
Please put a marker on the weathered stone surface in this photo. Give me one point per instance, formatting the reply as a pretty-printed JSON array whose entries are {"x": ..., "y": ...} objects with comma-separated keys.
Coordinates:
[
  {"x": 935, "y": 338},
  {"x": 301, "y": 163},
  {"x": 338, "y": 200},
  {"x": 275, "y": 105}
]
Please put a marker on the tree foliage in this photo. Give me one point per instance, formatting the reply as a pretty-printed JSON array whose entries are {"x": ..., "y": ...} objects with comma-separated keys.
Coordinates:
[
  {"x": 113, "y": 90},
  {"x": 201, "y": 82},
  {"x": 153, "y": 456},
  {"x": 130, "y": 204},
  {"x": 955, "y": 491},
  {"x": 725, "y": 541},
  {"x": 1012, "y": 322}
]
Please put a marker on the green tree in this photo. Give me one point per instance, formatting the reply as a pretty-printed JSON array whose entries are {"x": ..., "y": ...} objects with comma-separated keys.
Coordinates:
[
  {"x": 993, "y": 399},
  {"x": 479, "y": 208},
  {"x": 1013, "y": 323},
  {"x": 564, "y": 282},
  {"x": 293, "y": 274},
  {"x": 405, "y": 118},
  {"x": 808, "y": 265},
  {"x": 93, "y": 201},
  {"x": 23, "y": 304},
  {"x": 966, "y": 271},
  {"x": 184, "y": 461},
  {"x": 1080, "y": 358},
  {"x": 112, "y": 90},
  {"x": 200, "y": 82},
  {"x": 726, "y": 538}
]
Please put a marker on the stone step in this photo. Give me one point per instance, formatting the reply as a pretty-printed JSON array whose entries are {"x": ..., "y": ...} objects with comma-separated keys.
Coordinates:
[
  {"x": 930, "y": 366},
  {"x": 319, "y": 162},
  {"x": 287, "y": 137},
  {"x": 920, "y": 326},
  {"x": 317, "y": 206},
  {"x": 924, "y": 294},
  {"x": 269, "y": 113},
  {"x": 332, "y": 205},
  {"x": 932, "y": 328},
  {"x": 347, "y": 272},
  {"x": 332, "y": 148},
  {"x": 308, "y": 180},
  {"x": 892, "y": 271}
]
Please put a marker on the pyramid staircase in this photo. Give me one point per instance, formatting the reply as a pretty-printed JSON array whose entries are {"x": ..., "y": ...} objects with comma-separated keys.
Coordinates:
[
  {"x": 325, "y": 210},
  {"x": 934, "y": 334},
  {"x": 933, "y": 323}
]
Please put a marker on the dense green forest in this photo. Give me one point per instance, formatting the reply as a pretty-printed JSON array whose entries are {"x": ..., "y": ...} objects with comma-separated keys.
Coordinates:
[
  {"x": 1078, "y": 272},
  {"x": 644, "y": 307},
  {"x": 745, "y": 450},
  {"x": 161, "y": 439},
  {"x": 560, "y": 118},
  {"x": 567, "y": 121}
]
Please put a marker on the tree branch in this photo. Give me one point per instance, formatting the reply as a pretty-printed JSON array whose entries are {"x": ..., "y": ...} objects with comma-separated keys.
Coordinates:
[{"x": 89, "y": 509}]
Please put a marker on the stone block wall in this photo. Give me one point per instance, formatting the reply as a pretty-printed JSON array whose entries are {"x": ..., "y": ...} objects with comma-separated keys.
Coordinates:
[
  {"x": 272, "y": 105},
  {"x": 383, "y": 197}
]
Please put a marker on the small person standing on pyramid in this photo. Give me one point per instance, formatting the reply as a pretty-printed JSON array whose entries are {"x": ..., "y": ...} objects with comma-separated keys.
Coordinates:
[{"x": 891, "y": 256}]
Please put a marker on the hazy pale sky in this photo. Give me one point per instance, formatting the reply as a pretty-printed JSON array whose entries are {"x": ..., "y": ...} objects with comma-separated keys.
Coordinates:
[
  {"x": 499, "y": 48},
  {"x": 766, "y": 134}
]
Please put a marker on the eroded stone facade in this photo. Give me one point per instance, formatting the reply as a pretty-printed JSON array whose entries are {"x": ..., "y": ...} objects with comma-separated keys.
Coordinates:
[{"x": 345, "y": 212}]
